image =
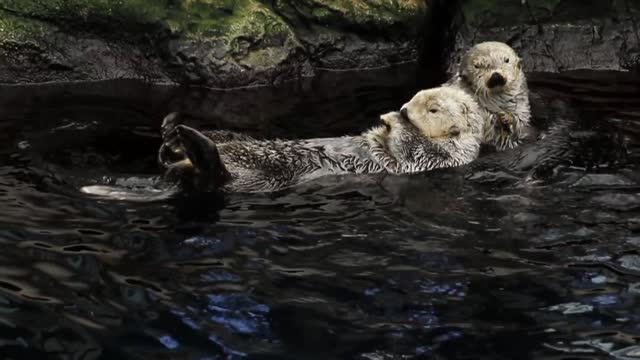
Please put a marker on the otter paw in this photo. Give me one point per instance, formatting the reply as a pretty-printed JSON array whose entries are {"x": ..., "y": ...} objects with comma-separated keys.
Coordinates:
[
  {"x": 171, "y": 150},
  {"x": 169, "y": 124},
  {"x": 197, "y": 147},
  {"x": 391, "y": 118},
  {"x": 203, "y": 154},
  {"x": 506, "y": 122},
  {"x": 179, "y": 171},
  {"x": 375, "y": 138}
]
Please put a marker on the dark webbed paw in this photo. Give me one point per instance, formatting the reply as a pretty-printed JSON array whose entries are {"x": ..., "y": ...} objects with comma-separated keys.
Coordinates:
[
  {"x": 171, "y": 150},
  {"x": 197, "y": 147},
  {"x": 202, "y": 154},
  {"x": 506, "y": 122},
  {"x": 180, "y": 172}
]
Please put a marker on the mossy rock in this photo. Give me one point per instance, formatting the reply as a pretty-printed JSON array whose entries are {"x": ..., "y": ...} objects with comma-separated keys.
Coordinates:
[
  {"x": 349, "y": 34},
  {"x": 117, "y": 13},
  {"x": 191, "y": 17},
  {"x": 218, "y": 43},
  {"x": 241, "y": 40},
  {"x": 376, "y": 15},
  {"x": 19, "y": 29}
]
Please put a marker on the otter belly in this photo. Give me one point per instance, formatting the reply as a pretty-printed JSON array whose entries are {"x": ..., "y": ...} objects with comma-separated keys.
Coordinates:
[
  {"x": 269, "y": 165},
  {"x": 348, "y": 155}
]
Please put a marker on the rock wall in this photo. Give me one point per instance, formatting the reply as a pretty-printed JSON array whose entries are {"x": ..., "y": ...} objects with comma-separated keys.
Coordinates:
[
  {"x": 553, "y": 35},
  {"x": 232, "y": 43},
  {"x": 217, "y": 43}
]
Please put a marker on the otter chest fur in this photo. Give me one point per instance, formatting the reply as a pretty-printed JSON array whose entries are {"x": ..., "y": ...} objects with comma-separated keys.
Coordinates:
[{"x": 492, "y": 73}]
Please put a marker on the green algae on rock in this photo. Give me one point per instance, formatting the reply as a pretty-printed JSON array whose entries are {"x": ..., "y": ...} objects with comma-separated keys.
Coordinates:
[
  {"x": 370, "y": 14},
  {"x": 226, "y": 44},
  {"x": 339, "y": 34},
  {"x": 75, "y": 12},
  {"x": 218, "y": 43},
  {"x": 14, "y": 28}
]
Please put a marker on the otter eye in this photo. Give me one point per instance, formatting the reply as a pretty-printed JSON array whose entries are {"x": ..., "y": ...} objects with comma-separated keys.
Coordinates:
[
  {"x": 433, "y": 111},
  {"x": 506, "y": 60},
  {"x": 476, "y": 66}
]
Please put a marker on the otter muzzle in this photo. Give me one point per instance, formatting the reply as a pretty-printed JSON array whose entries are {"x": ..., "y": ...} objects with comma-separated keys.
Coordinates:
[{"x": 496, "y": 80}]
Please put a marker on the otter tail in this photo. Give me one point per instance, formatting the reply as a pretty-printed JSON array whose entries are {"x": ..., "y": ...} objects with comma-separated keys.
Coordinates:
[{"x": 170, "y": 151}]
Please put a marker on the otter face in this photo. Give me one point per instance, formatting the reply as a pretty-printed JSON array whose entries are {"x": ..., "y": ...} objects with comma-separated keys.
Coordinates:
[
  {"x": 491, "y": 67},
  {"x": 443, "y": 112}
]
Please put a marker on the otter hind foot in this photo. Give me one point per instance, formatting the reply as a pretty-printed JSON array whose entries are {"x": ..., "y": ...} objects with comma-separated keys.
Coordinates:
[
  {"x": 179, "y": 171},
  {"x": 209, "y": 173},
  {"x": 171, "y": 150}
]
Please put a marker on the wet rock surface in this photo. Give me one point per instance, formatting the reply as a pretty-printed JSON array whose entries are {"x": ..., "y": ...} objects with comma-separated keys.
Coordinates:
[
  {"x": 214, "y": 43},
  {"x": 226, "y": 43},
  {"x": 553, "y": 36}
]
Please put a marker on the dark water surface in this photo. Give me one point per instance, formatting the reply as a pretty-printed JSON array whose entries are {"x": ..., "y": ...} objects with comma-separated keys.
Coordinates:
[{"x": 527, "y": 254}]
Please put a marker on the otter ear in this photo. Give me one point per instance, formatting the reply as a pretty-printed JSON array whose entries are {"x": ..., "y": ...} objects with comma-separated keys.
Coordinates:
[
  {"x": 454, "y": 131},
  {"x": 519, "y": 64}
]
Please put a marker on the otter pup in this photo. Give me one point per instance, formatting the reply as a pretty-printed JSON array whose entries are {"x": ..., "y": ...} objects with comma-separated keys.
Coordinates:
[
  {"x": 492, "y": 73},
  {"x": 439, "y": 128}
]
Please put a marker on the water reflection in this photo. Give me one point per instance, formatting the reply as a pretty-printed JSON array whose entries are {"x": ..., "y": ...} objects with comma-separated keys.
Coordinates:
[{"x": 530, "y": 253}]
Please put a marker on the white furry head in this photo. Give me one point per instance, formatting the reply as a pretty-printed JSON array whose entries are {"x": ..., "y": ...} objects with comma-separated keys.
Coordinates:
[
  {"x": 443, "y": 112},
  {"x": 491, "y": 68}
]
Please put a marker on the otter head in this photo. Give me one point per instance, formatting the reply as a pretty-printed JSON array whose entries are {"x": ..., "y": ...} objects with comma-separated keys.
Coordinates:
[
  {"x": 491, "y": 67},
  {"x": 444, "y": 112}
]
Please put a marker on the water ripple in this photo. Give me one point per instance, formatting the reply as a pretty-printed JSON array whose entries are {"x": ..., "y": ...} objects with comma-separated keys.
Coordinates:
[{"x": 501, "y": 259}]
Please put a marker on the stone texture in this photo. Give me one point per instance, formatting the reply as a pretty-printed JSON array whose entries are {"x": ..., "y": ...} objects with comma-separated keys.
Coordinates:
[
  {"x": 341, "y": 34},
  {"x": 554, "y": 35},
  {"x": 217, "y": 43}
]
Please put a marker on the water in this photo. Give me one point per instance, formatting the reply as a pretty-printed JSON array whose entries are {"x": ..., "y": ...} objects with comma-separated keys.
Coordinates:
[{"x": 526, "y": 254}]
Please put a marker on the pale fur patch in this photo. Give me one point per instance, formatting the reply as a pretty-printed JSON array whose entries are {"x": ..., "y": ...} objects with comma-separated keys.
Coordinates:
[
  {"x": 377, "y": 135},
  {"x": 477, "y": 66},
  {"x": 452, "y": 106}
]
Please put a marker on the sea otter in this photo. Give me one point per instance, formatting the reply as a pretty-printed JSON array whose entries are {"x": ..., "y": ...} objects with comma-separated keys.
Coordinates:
[
  {"x": 452, "y": 124},
  {"x": 492, "y": 73},
  {"x": 439, "y": 127}
]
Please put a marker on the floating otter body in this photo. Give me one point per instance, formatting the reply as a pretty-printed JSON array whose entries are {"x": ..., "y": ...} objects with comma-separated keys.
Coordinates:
[
  {"x": 492, "y": 73},
  {"x": 452, "y": 124},
  {"x": 439, "y": 127}
]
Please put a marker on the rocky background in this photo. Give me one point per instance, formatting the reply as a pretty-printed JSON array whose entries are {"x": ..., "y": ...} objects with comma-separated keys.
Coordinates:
[
  {"x": 218, "y": 43},
  {"x": 231, "y": 43},
  {"x": 553, "y": 35}
]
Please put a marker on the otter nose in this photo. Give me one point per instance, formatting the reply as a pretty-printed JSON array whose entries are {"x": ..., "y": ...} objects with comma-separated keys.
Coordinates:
[
  {"x": 496, "y": 80},
  {"x": 403, "y": 113}
]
